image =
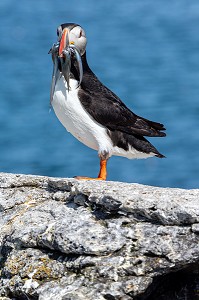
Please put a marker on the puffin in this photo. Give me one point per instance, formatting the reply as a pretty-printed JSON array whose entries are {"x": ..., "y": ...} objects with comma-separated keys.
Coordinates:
[{"x": 90, "y": 111}]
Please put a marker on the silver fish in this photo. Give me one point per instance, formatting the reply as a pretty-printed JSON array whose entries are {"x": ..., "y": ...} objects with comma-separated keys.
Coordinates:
[
  {"x": 65, "y": 60},
  {"x": 79, "y": 62},
  {"x": 56, "y": 72}
]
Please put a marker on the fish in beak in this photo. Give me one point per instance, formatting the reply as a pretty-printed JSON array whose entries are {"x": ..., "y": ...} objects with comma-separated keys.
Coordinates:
[
  {"x": 62, "y": 54},
  {"x": 56, "y": 72},
  {"x": 79, "y": 62},
  {"x": 65, "y": 55}
]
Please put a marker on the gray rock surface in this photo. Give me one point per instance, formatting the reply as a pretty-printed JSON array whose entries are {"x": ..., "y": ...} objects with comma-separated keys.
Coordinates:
[{"x": 66, "y": 239}]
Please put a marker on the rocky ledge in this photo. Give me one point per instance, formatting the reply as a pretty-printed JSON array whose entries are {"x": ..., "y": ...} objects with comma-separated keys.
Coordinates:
[{"x": 66, "y": 239}]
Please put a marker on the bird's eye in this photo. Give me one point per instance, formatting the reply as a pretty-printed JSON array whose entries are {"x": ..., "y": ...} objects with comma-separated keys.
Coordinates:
[{"x": 80, "y": 33}]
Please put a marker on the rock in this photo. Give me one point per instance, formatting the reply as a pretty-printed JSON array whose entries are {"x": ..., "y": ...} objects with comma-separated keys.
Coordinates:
[{"x": 66, "y": 239}]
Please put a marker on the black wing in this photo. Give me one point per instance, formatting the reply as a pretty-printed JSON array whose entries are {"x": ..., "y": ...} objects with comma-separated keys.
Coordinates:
[{"x": 107, "y": 109}]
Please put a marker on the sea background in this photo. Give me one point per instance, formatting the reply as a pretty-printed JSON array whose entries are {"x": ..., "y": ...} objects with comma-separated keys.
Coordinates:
[{"x": 146, "y": 51}]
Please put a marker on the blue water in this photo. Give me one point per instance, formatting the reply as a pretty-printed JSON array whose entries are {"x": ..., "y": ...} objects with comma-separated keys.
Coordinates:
[{"x": 146, "y": 51}]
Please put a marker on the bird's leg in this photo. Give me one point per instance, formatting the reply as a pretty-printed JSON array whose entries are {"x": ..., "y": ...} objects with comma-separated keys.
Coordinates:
[{"x": 102, "y": 173}]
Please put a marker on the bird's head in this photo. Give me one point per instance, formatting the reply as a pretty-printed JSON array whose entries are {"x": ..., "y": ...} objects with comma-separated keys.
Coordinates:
[{"x": 71, "y": 34}]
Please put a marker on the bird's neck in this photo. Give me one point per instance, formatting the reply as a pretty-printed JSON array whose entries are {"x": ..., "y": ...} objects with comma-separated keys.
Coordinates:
[
  {"x": 90, "y": 81},
  {"x": 85, "y": 64},
  {"x": 88, "y": 75}
]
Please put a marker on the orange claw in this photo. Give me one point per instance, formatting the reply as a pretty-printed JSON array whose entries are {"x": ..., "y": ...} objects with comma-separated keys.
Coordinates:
[{"x": 102, "y": 173}]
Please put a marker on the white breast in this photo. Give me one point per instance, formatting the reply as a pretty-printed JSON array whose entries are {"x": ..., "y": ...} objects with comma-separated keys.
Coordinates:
[{"x": 76, "y": 120}]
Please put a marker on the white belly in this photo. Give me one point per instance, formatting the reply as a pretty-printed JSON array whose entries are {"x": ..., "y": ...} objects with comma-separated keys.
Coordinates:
[
  {"x": 76, "y": 120},
  {"x": 81, "y": 125}
]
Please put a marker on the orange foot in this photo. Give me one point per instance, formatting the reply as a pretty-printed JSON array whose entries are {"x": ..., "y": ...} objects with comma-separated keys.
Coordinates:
[{"x": 102, "y": 173}]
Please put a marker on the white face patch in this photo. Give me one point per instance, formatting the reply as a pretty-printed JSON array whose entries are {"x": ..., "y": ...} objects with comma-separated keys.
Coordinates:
[{"x": 77, "y": 37}]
